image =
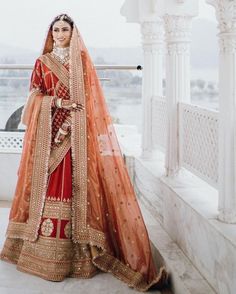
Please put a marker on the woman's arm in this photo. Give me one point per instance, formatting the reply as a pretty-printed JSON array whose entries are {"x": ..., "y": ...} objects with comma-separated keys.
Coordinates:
[{"x": 35, "y": 95}]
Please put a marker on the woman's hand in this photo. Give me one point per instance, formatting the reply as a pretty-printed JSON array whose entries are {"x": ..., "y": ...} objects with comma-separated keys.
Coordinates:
[
  {"x": 73, "y": 106},
  {"x": 59, "y": 138},
  {"x": 67, "y": 104},
  {"x": 61, "y": 134}
]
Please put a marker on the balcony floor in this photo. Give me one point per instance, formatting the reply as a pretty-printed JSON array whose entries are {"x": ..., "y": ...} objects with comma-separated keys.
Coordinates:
[{"x": 14, "y": 281}]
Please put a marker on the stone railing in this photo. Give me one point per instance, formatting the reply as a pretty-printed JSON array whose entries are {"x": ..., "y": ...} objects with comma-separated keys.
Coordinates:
[
  {"x": 198, "y": 137},
  {"x": 159, "y": 122},
  {"x": 11, "y": 142}
]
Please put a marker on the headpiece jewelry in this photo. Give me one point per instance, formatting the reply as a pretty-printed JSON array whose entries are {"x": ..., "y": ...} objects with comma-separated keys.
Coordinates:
[{"x": 63, "y": 17}]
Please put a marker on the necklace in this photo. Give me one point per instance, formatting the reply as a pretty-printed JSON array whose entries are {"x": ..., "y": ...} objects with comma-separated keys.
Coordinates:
[{"x": 61, "y": 54}]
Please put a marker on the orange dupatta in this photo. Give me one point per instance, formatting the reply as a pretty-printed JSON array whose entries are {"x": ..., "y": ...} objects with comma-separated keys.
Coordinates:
[{"x": 106, "y": 213}]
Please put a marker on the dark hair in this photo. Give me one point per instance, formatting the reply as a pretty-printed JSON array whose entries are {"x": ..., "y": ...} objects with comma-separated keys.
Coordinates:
[{"x": 63, "y": 17}]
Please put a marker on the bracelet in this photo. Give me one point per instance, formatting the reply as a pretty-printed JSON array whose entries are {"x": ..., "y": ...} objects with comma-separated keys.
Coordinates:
[
  {"x": 58, "y": 102},
  {"x": 61, "y": 131},
  {"x": 57, "y": 141},
  {"x": 67, "y": 123},
  {"x": 65, "y": 128}
]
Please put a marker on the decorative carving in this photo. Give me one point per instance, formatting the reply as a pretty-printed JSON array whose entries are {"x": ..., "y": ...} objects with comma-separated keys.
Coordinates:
[
  {"x": 178, "y": 33},
  {"x": 178, "y": 27},
  {"x": 11, "y": 142},
  {"x": 225, "y": 14},
  {"x": 227, "y": 43},
  {"x": 153, "y": 36},
  {"x": 199, "y": 148}
]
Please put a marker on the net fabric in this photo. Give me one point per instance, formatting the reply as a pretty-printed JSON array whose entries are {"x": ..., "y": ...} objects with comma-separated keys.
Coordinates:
[{"x": 104, "y": 200}]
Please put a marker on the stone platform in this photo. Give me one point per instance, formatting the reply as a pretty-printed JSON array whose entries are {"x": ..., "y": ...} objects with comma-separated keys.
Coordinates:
[{"x": 13, "y": 281}]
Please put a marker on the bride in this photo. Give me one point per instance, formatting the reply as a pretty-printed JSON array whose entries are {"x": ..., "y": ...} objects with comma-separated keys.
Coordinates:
[{"x": 74, "y": 212}]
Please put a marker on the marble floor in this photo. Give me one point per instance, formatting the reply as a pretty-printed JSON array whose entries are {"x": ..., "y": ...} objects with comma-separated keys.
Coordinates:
[{"x": 13, "y": 281}]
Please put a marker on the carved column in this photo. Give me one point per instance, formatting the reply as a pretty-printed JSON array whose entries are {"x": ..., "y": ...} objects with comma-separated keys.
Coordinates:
[
  {"x": 153, "y": 49},
  {"x": 225, "y": 13},
  {"x": 177, "y": 30}
]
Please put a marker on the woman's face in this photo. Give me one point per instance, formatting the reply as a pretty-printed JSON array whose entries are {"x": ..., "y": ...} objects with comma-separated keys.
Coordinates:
[{"x": 61, "y": 33}]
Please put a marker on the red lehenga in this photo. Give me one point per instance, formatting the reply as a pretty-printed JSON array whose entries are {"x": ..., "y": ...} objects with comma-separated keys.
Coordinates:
[{"x": 75, "y": 211}]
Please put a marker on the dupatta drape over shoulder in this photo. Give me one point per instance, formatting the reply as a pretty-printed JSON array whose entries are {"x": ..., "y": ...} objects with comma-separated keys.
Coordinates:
[{"x": 105, "y": 211}]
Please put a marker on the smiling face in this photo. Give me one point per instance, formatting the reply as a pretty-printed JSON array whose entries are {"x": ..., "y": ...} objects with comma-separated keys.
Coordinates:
[{"x": 61, "y": 33}]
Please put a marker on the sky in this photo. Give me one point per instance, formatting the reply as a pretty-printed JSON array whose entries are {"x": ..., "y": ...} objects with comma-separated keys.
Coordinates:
[{"x": 24, "y": 23}]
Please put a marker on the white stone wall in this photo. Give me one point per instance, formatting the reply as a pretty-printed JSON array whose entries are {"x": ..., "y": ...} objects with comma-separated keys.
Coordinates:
[{"x": 187, "y": 208}]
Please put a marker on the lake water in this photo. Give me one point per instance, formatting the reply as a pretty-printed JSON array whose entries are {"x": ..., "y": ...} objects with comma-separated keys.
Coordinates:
[{"x": 124, "y": 103}]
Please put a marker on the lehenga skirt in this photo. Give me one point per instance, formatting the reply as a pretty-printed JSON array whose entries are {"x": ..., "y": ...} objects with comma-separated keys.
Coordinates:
[{"x": 53, "y": 256}]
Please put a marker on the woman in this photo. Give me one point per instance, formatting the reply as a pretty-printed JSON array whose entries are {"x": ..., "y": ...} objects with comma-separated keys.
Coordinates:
[{"x": 74, "y": 211}]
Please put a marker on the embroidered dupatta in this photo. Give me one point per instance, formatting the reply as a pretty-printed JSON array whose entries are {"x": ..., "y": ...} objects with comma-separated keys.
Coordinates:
[{"x": 105, "y": 211}]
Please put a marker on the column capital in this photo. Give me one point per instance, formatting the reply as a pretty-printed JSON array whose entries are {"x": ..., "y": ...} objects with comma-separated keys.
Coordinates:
[
  {"x": 178, "y": 34},
  {"x": 152, "y": 29},
  {"x": 178, "y": 28},
  {"x": 225, "y": 14},
  {"x": 153, "y": 34}
]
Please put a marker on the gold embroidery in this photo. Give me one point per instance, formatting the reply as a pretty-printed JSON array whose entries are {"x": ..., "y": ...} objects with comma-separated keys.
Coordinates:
[
  {"x": 78, "y": 143},
  {"x": 78, "y": 136},
  {"x": 50, "y": 258},
  {"x": 53, "y": 209},
  {"x": 123, "y": 272},
  {"x": 16, "y": 230},
  {"x": 47, "y": 227},
  {"x": 60, "y": 71},
  {"x": 40, "y": 169},
  {"x": 89, "y": 236},
  {"x": 55, "y": 259},
  {"x": 58, "y": 154},
  {"x": 12, "y": 250}
]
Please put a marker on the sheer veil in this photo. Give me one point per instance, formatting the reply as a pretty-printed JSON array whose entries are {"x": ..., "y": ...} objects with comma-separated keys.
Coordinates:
[{"x": 105, "y": 211}]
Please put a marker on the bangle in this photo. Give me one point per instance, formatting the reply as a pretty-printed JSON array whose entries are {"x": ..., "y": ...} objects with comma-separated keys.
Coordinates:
[
  {"x": 58, "y": 102},
  {"x": 67, "y": 122},
  {"x": 65, "y": 127},
  {"x": 63, "y": 132},
  {"x": 57, "y": 141}
]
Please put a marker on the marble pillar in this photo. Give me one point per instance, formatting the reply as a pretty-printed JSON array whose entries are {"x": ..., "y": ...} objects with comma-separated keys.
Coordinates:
[
  {"x": 225, "y": 14},
  {"x": 177, "y": 32},
  {"x": 153, "y": 50}
]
